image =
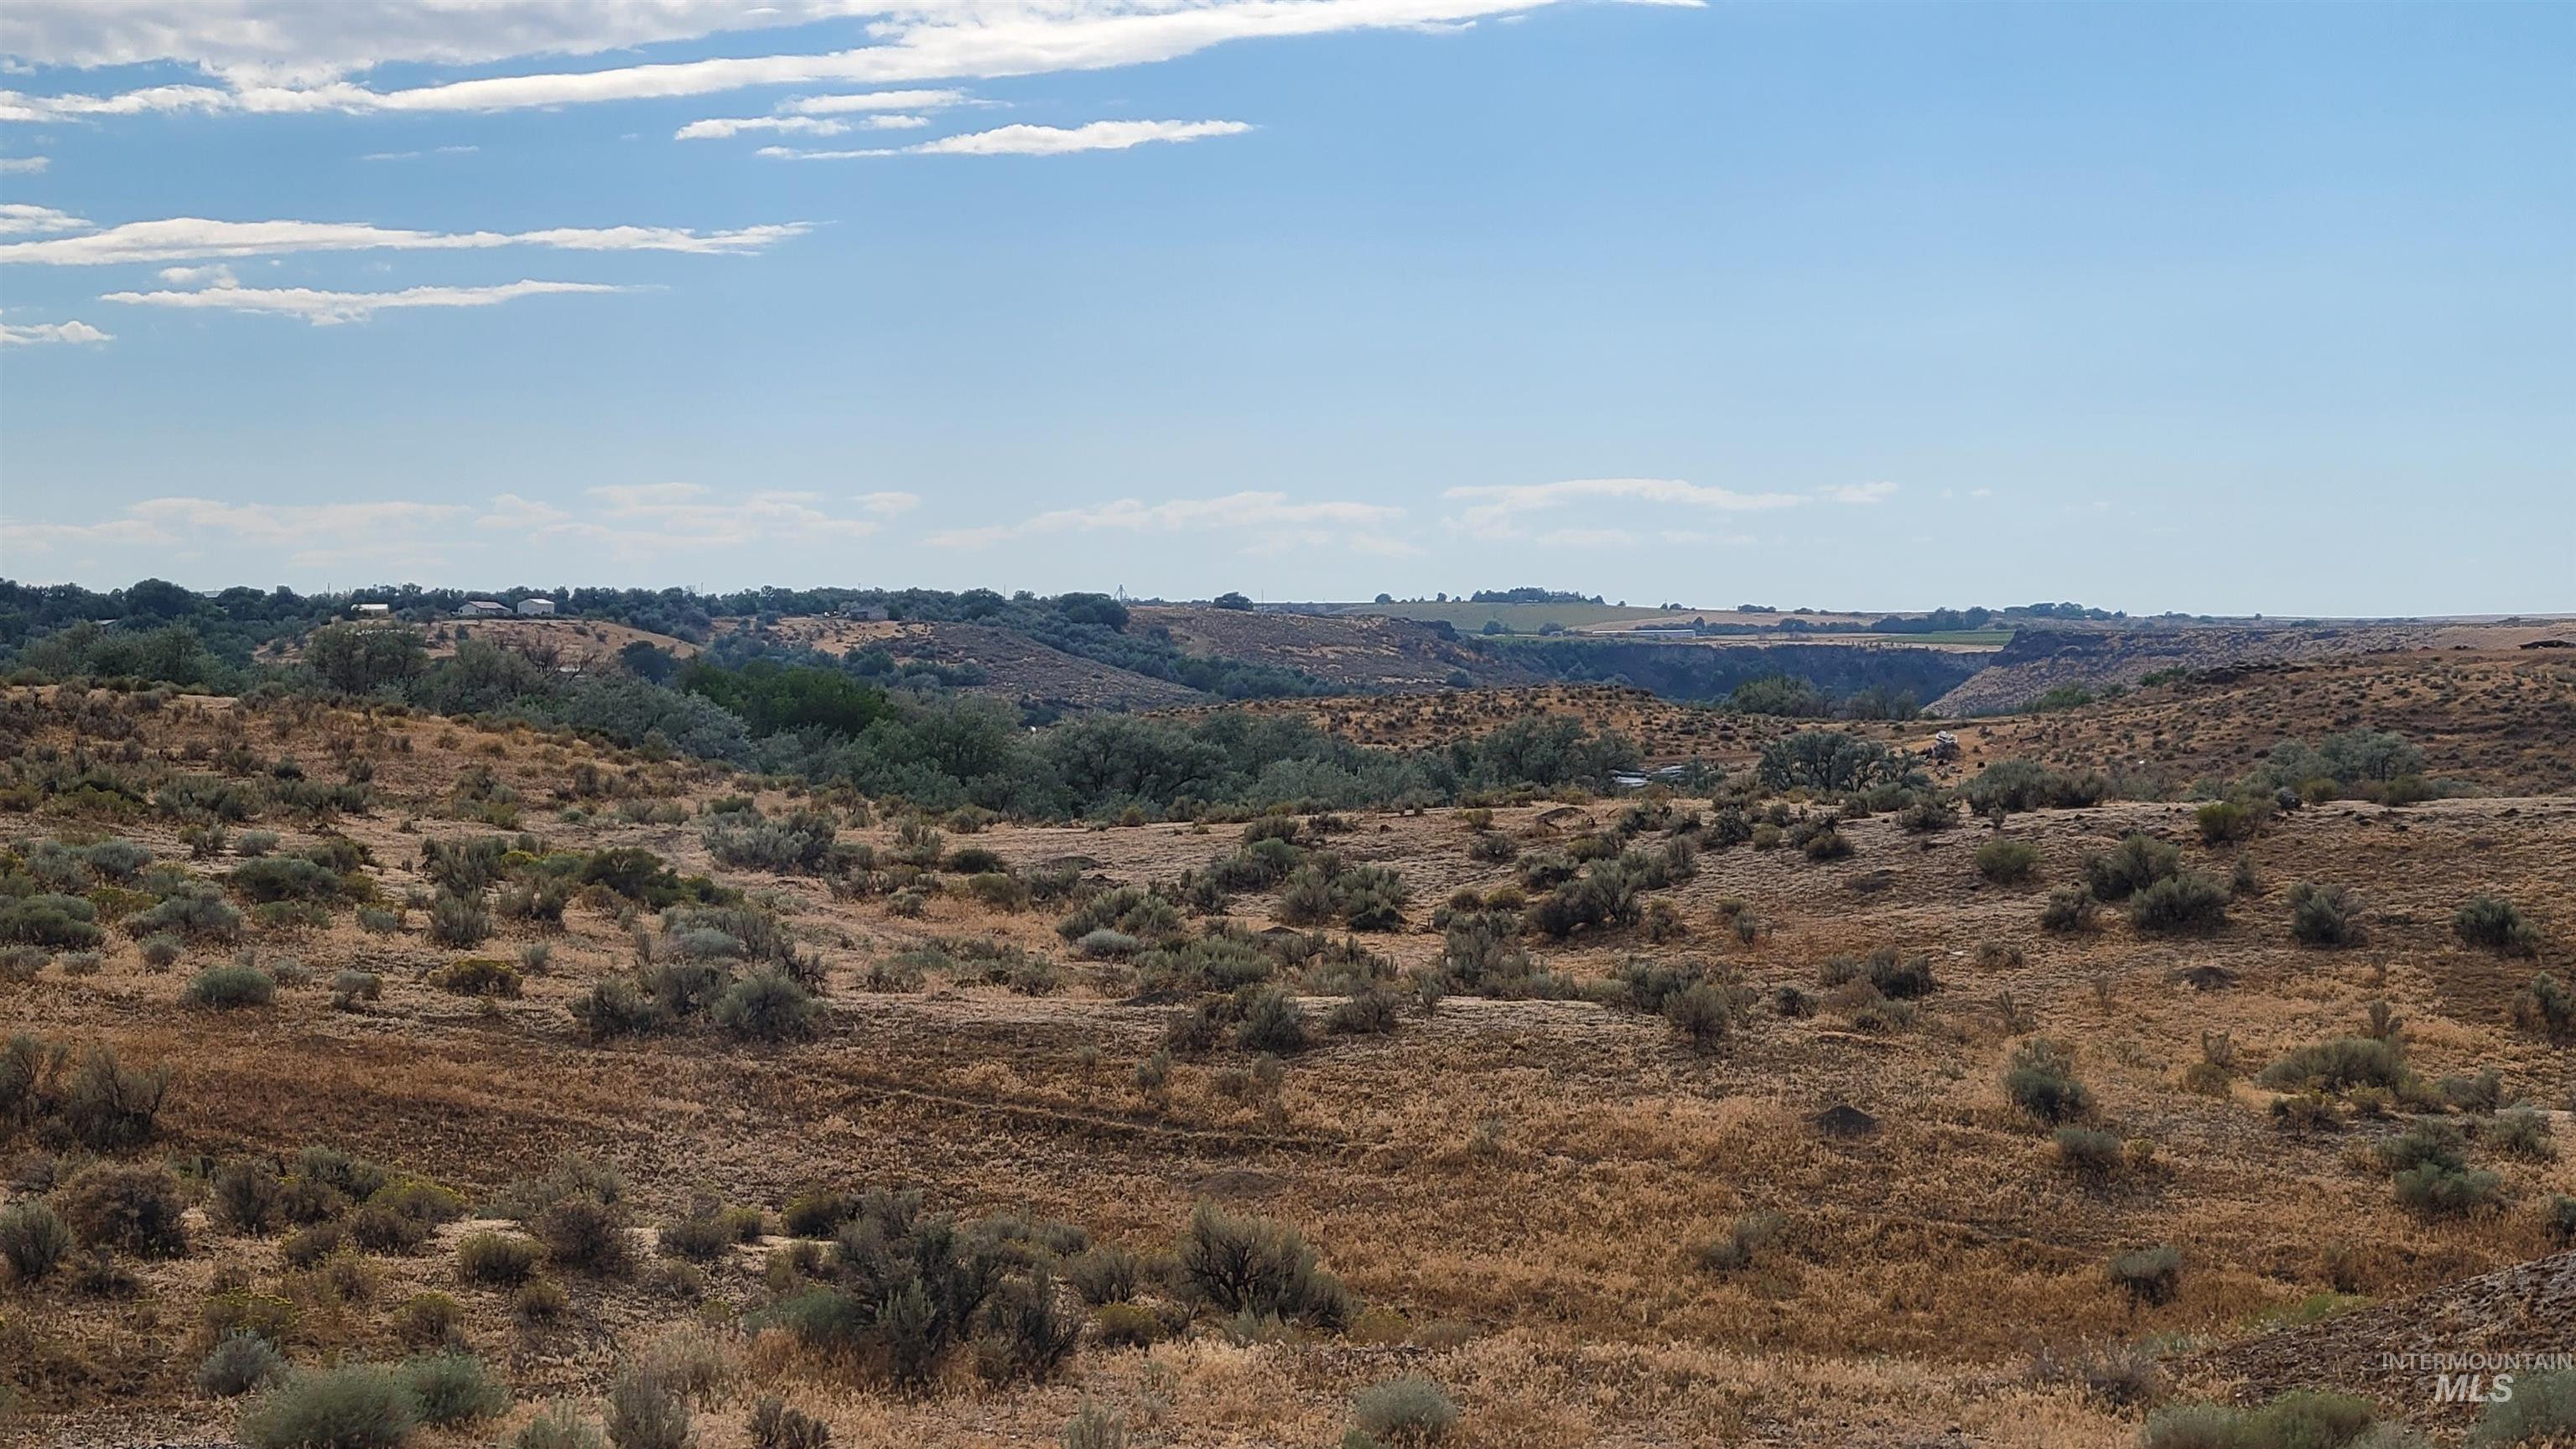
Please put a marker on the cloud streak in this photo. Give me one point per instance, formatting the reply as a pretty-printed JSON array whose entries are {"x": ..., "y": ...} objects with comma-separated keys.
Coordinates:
[
  {"x": 1497, "y": 511},
  {"x": 726, "y": 128},
  {"x": 285, "y": 57},
  {"x": 1034, "y": 140},
  {"x": 646, "y": 520},
  {"x": 39, "y": 334},
  {"x": 417, "y": 155},
  {"x": 1274, "y": 520},
  {"x": 319, "y": 534},
  {"x": 827, "y": 115},
  {"x": 20, "y": 219},
  {"x": 326, "y": 309},
  {"x": 1857, "y": 494},
  {"x": 182, "y": 239},
  {"x": 659, "y": 518}
]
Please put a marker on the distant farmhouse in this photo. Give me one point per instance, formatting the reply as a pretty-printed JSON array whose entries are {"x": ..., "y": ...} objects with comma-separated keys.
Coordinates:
[
  {"x": 482, "y": 609},
  {"x": 537, "y": 608},
  {"x": 375, "y": 611},
  {"x": 876, "y": 612}
]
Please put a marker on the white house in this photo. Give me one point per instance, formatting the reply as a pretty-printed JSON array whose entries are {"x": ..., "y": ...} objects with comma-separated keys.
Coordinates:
[
  {"x": 537, "y": 608},
  {"x": 375, "y": 611},
  {"x": 482, "y": 609}
]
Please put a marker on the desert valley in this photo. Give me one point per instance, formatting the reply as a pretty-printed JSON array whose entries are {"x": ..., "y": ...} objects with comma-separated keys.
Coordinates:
[{"x": 1433, "y": 1046}]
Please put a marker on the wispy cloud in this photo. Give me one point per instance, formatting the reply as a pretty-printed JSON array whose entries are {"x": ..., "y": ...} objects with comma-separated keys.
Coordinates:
[
  {"x": 829, "y": 115},
  {"x": 197, "y": 239},
  {"x": 726, "y": 129},
  {"x": 1274, "y": 521},
  {"x": 324, "y": 309},
  {"x": 213, "y": 275},
  {"x": 288, "y": 56},
  {"x": 1496, "y": 511},
  {"x": 1588, "y": 538},
  {"x": 888, "y": 503},
  {"x": 318, "y": 534},
  {"x": 417, "y": 155},
  {"x": 23, "y": 165},
  {"x": 1861, "y": 494},
  {"x": 35, "y": 334},
  {"x": 282, "y": 40},
  {"x": 649, "y": 520},
  {"x": 656, "y": 518},
  {"x": 1034, "y": 140},
  {"x": 20, "y": 219},
  {"x": 874, "y": 101}
]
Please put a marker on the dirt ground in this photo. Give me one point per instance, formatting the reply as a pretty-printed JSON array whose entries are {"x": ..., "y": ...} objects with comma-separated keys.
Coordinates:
[{"x": 1522, "y": 1183}]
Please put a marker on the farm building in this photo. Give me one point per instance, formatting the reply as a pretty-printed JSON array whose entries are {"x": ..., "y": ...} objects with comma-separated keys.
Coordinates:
[
  {"x": 481, "y": 609},
  {"x": 374, "y": 611},
  {"x": 537, "y": 608}
]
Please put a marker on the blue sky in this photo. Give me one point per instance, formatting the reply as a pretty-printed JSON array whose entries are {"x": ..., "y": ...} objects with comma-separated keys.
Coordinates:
[{"x": 2214, "y": 308}]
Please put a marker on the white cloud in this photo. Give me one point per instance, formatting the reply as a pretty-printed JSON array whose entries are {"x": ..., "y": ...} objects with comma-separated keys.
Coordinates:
[
  {"x": 287, "y": 56},
  {"x": 1860, "y": 494},
  {"x": 156, "y": 100},
  {"x": 875, "y": 101},
  {"x": 1275, "y": 521},
  {"x": 1036, "y": 140},
  {"x": 1704, "y": 536},
  {"x": 1588, "y": 538},
  {"x": 636, "y": 519},
  {"x": 416, "y": 155},
  {"x": 324, "y": 309},
  {"x": 652, "y": 518},
  {"x": 318, "y": 534},
  {"x": 288, "y": 39},
  {"x": 1496, "y": 511},
  {"x": 217, "y": 275},
  {"x": 32, "y": 334},
  {"x": 824, "y": 115},
  {"x": 23, "y": 165},
  {"x": 726, "y": 128},
  {"x": 20, "y": 219},
  {"x": 183, "y": 239},
  {"x": 888, "y": 503}
]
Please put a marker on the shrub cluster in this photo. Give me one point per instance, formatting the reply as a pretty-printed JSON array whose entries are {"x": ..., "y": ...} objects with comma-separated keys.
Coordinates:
[
  {"x": 910, "y": 1289},
  {"x": 2040, "y": 1080},
  {"x": 90, "y": 1099}
]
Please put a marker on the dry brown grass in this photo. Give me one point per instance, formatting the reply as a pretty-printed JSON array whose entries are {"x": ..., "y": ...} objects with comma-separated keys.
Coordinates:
[{"x": 1536, "y": 1172}]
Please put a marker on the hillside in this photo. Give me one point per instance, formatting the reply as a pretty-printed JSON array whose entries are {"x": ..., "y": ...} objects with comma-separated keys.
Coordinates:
[
  {"x": 1360, "y": 653},
  {"x": 1542, "y": 1195},
  {"x": 2097, "y": 656},
  {"x": 999, "y": 662}
]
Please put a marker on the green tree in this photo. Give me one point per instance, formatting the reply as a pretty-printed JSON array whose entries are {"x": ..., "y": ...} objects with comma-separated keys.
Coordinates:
[{"x": 360, "y": 659}]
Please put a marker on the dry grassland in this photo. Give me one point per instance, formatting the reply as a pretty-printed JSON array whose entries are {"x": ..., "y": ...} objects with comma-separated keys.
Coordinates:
[{"x": 1522, "y": 1183}]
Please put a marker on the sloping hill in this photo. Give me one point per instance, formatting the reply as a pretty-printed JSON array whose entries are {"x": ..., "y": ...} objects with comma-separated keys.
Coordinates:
[
  {"x": 2095, "y": 655},
  {"x": 1013, "y": 666},
  {"x": 2501, "y": 720},
  {"x": 1362, "y": 652},
  {"x": 2394, "y": 1352}
]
